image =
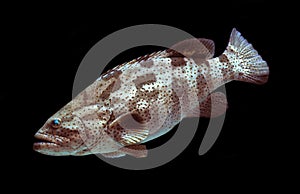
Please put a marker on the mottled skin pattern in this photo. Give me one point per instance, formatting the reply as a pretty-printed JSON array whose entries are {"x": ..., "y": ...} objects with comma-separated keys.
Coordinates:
[{"x": 145, "y": 98}]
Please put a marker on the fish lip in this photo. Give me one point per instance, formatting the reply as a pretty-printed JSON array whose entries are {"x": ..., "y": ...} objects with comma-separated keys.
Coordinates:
[
  {"x": 39, "y": 145},
  {"x": 43, "y": 138},
  {"x": 43, "y": 141},
  {"x": 48, "y": 140},
  {"x": 50, "y": 144}
]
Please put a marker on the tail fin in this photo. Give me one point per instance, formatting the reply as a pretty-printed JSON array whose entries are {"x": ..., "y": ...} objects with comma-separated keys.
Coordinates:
[{"x": 248, "y": 64}]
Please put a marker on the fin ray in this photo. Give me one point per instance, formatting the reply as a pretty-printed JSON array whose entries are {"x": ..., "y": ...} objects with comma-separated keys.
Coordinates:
[
  {"x": 127, "y": 130},
  {"x": 251, "y": 67},
  {"x": 195, "y": 48}
]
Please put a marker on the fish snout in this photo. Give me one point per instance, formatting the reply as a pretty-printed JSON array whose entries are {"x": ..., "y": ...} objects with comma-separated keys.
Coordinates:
[{"x": 51, "y": 144}]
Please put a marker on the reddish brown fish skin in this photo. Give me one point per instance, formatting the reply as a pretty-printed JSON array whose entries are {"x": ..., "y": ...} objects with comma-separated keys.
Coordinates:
[{"x": 156, "y": 92}]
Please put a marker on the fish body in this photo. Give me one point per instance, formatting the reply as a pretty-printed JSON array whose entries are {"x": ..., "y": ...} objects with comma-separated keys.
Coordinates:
[{"x": 145, "y": 98}]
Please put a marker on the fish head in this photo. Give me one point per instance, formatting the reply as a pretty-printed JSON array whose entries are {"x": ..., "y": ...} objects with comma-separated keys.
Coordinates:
[
  {"x": 60, "y": 135},
  {"x": 72, "y": 130}
]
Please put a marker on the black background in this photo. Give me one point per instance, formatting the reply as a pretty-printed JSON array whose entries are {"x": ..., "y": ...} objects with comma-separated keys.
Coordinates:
[{"x": 49, "y": 48}]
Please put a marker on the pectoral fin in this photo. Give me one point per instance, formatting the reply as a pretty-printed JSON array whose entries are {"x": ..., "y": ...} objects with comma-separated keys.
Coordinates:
[
  {"x": 214, "y": 105},
  {"x": 128, "y": 129}
]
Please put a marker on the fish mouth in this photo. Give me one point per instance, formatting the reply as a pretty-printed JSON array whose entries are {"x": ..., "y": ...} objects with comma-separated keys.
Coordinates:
[
  {"x": 50, "y": 144},
  {"x": 44, "y": 140}
]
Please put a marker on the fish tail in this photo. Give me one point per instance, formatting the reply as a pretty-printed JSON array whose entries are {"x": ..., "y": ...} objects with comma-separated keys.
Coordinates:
[{"x": 246, "y": 63}]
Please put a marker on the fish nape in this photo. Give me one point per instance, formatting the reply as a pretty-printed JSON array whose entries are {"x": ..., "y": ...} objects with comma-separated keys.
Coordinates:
[{"x": 145, "y": 98}]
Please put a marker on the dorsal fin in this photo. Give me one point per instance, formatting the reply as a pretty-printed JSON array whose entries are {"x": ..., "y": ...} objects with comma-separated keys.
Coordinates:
[
  {"x": 149, "y": 56},
  {"x": 197, "y": 48},
  {"x": 200, "y": 48}
]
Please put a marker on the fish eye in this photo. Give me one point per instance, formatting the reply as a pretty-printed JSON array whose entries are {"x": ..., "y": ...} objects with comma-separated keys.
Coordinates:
[{"x": 55, "y": 123}]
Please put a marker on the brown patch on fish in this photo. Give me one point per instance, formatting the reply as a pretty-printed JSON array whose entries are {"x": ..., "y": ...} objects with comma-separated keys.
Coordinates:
[
  {"x": 223, "y": 58},
  {"x": 202, "y": 86},
  {"x": 117, "y": 85},
  {"x": 152, "y": 94},
  {"x": 106, "y": 93},
  {"x": 173, "y": 53},
  {"x": 116, "y": 131},
  {"x": 181, "y": 88},
  {"x": 176, "y": 106},
  {"x": 146, "y": 94},
  {"x": 138, "y": 118},
  {"x": 144, "y": 79},
  {"x": 227, "y": 73},
  {"x": 227, "y": 67},
  {"x": 110, "y": 74},
  {"x": 177, "y": 61},
  {"x": 147, "y": 64},
  {"x": 142, "y": 116},
  {"x": 143, "y": 112}
]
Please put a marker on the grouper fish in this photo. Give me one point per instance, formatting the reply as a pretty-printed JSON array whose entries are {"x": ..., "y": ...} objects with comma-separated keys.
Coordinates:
[{"x": 145, "y": 98}]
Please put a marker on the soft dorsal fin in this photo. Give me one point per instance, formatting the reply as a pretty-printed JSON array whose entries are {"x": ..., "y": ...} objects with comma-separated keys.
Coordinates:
[
  {"x": 127, "y": 129},
  {"x": 200, "y": 48}
]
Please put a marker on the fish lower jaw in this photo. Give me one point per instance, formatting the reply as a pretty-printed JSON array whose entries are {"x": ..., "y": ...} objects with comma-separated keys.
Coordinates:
[
  {"x": 49, "y": 148},
  {"x": 38, "y": 145},
  {"x": 44, "y": 139},
  {"x": 52, "y": 145},
  {"x": 45, "y": 144}
]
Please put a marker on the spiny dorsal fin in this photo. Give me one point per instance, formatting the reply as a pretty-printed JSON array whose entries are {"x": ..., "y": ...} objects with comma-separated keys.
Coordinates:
[
  {"x": 197, "y": 48},
  {"x": 128, "y": 129},
  {"x": 148, "y": 57}
]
